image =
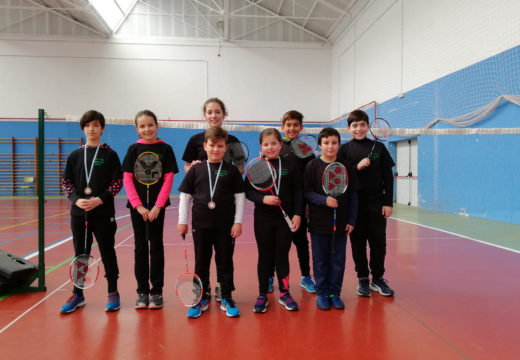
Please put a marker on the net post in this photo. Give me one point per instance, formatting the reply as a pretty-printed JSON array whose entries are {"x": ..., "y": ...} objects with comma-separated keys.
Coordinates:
[{"x": 41, "y": 202}]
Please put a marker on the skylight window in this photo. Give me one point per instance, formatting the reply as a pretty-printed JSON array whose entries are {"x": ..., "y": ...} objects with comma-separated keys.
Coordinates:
[{"x": 112, "y": 11}]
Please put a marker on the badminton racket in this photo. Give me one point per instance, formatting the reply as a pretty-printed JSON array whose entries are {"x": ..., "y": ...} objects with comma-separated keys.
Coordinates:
[
  {"x": 334, "y": 183},
  {"x": 262, "y": 176},
  {"x": 237, "y": 153},
  {"x": 381, "y": 131},
  {"x": 84, "y": 268},
  {"x": 188, "y": 286},
  {"x": 304, "y": 146}
]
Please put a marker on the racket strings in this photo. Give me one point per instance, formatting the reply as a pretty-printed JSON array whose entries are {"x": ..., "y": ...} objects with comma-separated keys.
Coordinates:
[
  {"x": 335, "y": 180},
  {"x": 189, "y": 289},
  {"x": 84, "y": 271},
  {"x": 304, "y": 146},
  {"x": 260, "y": 174},
  {"x": 380, "y": 129},
  {"x": 148, "y": 168}
]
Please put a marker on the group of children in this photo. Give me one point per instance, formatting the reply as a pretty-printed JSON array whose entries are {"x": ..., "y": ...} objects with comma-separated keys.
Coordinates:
[{"x": 93, "y": 176}]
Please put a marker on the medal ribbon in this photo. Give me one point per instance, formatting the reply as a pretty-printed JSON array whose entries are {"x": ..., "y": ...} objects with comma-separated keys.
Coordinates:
[
  {"x": 211, "y": 187},
  {"x": 88, "y": 174}
]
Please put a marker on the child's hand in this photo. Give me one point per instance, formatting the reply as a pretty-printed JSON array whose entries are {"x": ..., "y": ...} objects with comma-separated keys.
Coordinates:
[
  {"x": 92, "y": 203},
  {"x": 82, "y": 203},
  {"x": 331, "y": 202},
  {"x": 387, "y": 211},
  {"x": 143, "y": 211},
  {"x": 182, "y": 228},
  {"x": 349, "y": 229},
  {"x": 296, "y": 221},
  {"x": 236, "y": 230},
  {"x": 364, "y": 163},
  {"x": 154, "y": 213},
  {"x": 271, "y": 200}
]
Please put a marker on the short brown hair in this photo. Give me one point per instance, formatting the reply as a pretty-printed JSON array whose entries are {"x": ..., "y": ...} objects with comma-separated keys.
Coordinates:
[
  {"x": 292, "y": 114},
  {"x": 357, "y": 115},
  {"x": 92, "y": 115},
  {"x": 215, "y": 133},
  {"x": 268, "y": 132}
]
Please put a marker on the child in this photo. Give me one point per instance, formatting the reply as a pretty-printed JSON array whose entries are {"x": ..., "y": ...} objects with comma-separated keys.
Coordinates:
[
  {"x": 273, "y": 236},
  {"x": 148, "y": 223},
  {"x": 91, "y": 179},
  {"x": 329, "y": 267},
  {"x": 214, "y": 111},
  {"x": 218, "y": 196},
  {"x": 292, "y": 125},
  {"x": 375, "y": 203}
]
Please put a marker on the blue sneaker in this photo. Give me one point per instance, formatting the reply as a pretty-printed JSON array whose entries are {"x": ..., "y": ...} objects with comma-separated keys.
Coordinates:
[
  {"x": 322, "y": 302},
  {"x": 380, "y": 286},
  {"x": 336, "y": 302},
  {"x": 113, "y": 303},
  {"x": 270, "y": 287},
  {"x": 196, "y": 311},
  {"x": 74, "y": 302},
  {"x": 363, "y": 288},
  {"x": 228, "y": 305},
  {"x": 287, "y": 301},
  {"x": 261, "y": 304},
  {"x": 308, "y": 284}
]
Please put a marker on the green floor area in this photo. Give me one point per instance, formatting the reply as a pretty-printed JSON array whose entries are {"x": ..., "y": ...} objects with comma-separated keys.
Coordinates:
[{"x": 494, "y": 232}]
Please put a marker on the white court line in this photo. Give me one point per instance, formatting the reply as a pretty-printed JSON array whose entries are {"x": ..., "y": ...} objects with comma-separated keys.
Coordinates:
[
  {"x": 459, "y": 235},
  {"x": 48, "y": 296}
]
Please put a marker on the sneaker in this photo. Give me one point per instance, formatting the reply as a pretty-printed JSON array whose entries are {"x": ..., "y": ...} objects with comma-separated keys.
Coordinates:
[
  {"x": 261, "y": 304},
  {"x": 270, "y": 287},
  {"x": 156, "y": 301},
  {"x": 74, "y": 302},
  {"x": 142, "y": 301},
  {"x": 228, "y": 305},
  {"x": 363, "y": 288},
  {"x": 336, "y": 302},
  {"x": 308, "y": 284},
  {"x": 218, "y": 292},
  {"x": 287, "y": 301},
  {"x": 113, "y": 303},
  {"x": 380, "y": 286},
  {"x": 196, "y": 311},
  {"x": 322, "y": 302}
]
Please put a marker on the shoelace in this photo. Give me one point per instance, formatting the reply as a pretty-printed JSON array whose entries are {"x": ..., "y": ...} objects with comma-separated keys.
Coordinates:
[{"x": 261, "y": 300}]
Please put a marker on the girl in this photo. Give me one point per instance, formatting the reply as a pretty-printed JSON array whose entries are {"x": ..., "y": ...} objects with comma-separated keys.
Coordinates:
[
  {"x": 273, "y": 236},
  {"x": 156, "y": 168}
]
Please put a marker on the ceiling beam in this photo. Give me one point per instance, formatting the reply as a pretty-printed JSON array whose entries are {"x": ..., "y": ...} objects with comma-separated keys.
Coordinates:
[
  {"x": 19, "y": 21},
  {"x": 210, "y": 25}
]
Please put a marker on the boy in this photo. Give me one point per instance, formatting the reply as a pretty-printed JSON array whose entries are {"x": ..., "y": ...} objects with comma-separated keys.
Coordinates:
[
  {"x": 329, "y": 266},
  {"x": 292, "y": 125},
  {"x": 218, "y": 196},
  {"x": 375, "y": 204},
  {"x": 91, "y": 179}
]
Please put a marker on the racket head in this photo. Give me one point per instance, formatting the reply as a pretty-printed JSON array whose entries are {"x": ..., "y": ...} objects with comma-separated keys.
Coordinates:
[
  {"x": 148, "y": 168},
  {"x": 237, "y": 153},
  {"x": 261, "y": 174},
  {"x": 188, "y": 288},
  {"x": 304, "y": 146},
  {"x": 84, "y": 271},
  {"x": 380, "y": 129},
  {"x": 334, "y": 180}
]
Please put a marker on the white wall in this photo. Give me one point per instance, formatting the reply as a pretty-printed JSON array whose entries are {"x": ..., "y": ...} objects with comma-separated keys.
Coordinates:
[
  {"x": 397, "y": 45},
  {"x": 67, "y": 77}
]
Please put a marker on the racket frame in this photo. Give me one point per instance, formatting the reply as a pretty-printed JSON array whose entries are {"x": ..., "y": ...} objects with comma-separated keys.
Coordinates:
[
  {"x": 189, "y": 273},
  {"x": 378, "y": 138}
]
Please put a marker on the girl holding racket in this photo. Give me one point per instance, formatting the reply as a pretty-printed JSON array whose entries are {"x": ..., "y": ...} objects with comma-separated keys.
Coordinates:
[
  {"x": 277, "y": 214},
  {"x": 330, "y": 190},
  {"x": 91, "y": 179},
  {"x": 149, "y": 167}
]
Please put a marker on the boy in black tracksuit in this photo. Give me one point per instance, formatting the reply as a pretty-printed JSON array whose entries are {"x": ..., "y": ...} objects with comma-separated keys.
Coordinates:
[
  {"x": 375, "y": 203},
  {"x": 91, "y": 187}
]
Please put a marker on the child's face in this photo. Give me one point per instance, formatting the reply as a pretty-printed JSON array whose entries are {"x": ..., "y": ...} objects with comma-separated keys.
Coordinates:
[
  {"x": 329, "y": 146},
  {"x": 215, "y": 150},
  {"x": 93, "y": 131},
  {"x": 147, "y": 128},
  {"x": 271, "y": 146},
  {"x": 214, "y": 114},
  {"x": 292, "y": 128},
  {"x": 358, "y": 129}
]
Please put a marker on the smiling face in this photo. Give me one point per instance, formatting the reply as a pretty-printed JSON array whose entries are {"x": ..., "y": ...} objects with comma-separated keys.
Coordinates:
[
  {"x": 93, "y": 131},
  {"x": 359, "y": 129},
  {"x": 292, "y": 128},
  {"x": 147, "y": 128},
  {"x": 329, "y": 148},
  {"x": 215, "y": 150},
  {"x": 213, "y": 114},
  {"x": 271, "y": 146}
]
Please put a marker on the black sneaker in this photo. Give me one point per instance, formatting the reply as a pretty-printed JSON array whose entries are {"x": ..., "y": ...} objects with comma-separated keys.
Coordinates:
[
  {"x": 363, "y": 288},
  {"x": 142, "y": 301},
  {"x": 380, "y": 286},
  {"x": 156, "y": 301}
]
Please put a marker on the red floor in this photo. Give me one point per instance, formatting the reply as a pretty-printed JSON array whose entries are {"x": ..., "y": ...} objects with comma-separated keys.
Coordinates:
[{"x": 455, "y": 299}]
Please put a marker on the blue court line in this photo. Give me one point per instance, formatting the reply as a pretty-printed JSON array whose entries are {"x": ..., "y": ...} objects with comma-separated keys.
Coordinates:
[{"x": 31, "y": 233}]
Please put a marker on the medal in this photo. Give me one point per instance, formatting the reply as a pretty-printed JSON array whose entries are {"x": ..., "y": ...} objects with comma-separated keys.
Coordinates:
[
  {"x": 88, "y": 174},
  {"x": 87, "y": 190},
  {"x": 211, "y": 204}
]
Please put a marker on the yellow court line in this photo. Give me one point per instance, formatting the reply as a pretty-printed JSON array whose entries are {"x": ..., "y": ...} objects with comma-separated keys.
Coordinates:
[{"x": 33, "y": 220}]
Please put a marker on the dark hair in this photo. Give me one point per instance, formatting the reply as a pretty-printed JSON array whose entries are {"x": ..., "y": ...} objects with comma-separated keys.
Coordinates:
[
  {"x": 269, "y": 132},
  {"x": 92, "y": 115},
  {"x": 357, "y": 115},
  {"x": 146, "y": 113},
  {"x": 215, "y": 100},
  {"x": 327, "y": 132},
  {"x": 215, "y": 133},
  {"x": 294, "y": 115}
]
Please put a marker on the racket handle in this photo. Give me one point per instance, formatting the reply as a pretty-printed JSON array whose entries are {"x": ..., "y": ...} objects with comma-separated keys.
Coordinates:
[
  {"x": 183, "y": 237},
  {"x": 287, "y": 219}
]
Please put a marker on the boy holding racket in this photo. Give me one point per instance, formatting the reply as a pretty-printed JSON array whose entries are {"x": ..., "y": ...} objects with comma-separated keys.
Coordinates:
[
  {"x": 91, "y": 179},
  {"x": 292, "y": 125},
  {"x": 331, "y": 219},
  {"x": 217, "y": 190},
  {"x": 375, "y": 203}
]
